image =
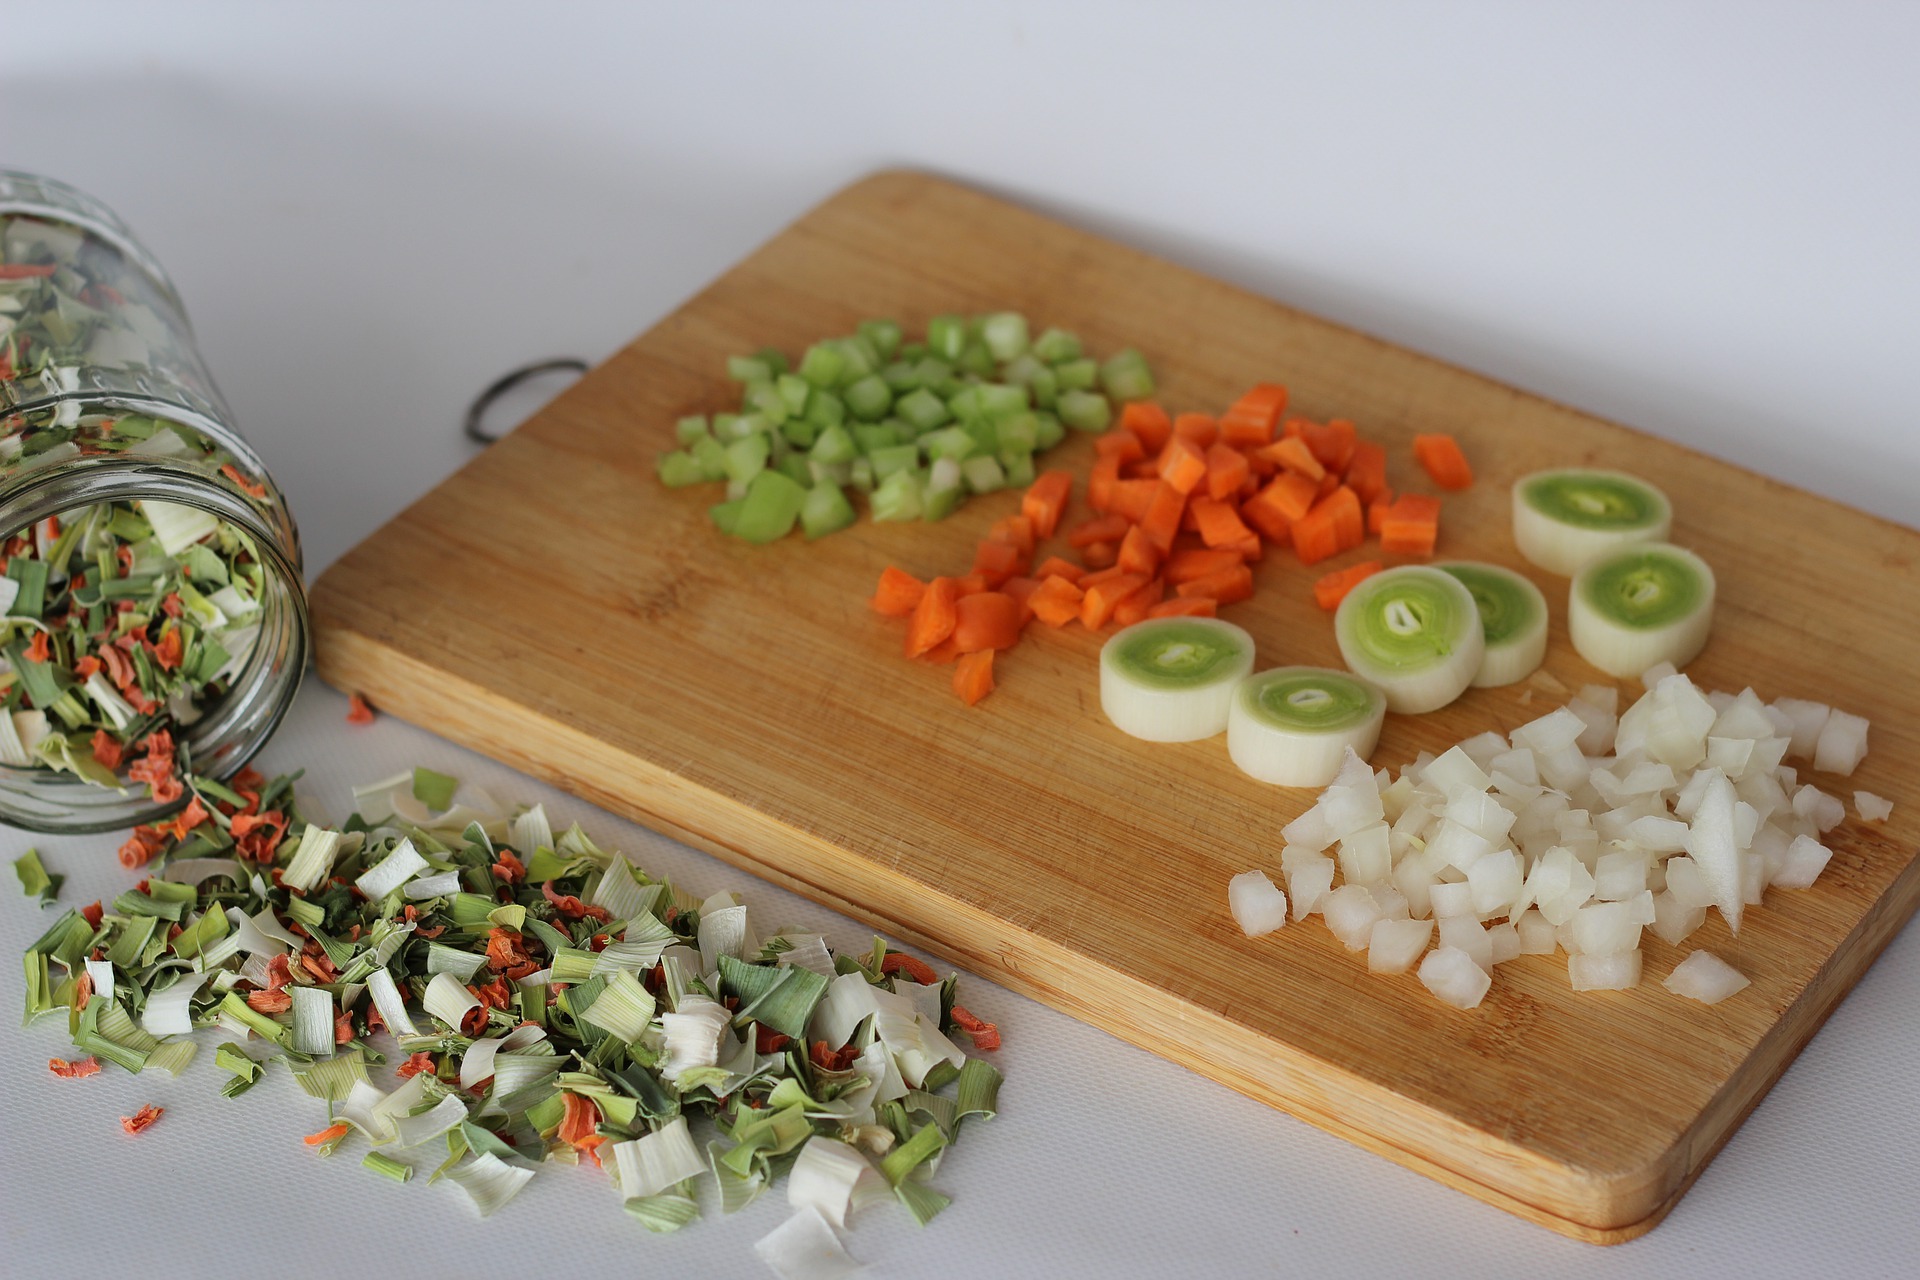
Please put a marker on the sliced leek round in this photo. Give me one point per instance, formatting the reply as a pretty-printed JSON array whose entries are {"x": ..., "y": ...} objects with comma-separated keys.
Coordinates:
[
  {"x": 1291, "y": 726},
  {"x": 1641, "y": 605},
  {"x": 1416, "y": 633},
  {"x": 1513, "y": 618},
  {"x": 1562, "y": 519},
  {"x": 1172, "y": 679}
]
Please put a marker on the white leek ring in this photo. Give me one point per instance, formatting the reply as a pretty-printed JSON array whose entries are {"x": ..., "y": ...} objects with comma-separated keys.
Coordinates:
[
  {"x": 1415, "y": 632},
  {"x": 1172, "y": 679},
  {"x": 1562, "y": 519},
  {"x": 1292, "y": 726},
  {"x": 1641, "y": 605},
  {"x": 1513, "y": 620}
]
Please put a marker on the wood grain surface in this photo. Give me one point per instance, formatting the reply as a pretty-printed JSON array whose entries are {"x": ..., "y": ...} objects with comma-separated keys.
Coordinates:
[{"x": 553, "y": 606}]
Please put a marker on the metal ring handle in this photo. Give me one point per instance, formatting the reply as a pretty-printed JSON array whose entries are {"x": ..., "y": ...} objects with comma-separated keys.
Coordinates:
[{"x": 477, "y": 411}]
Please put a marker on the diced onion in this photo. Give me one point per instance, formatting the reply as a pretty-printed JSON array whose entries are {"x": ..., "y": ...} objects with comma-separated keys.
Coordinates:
[
  {"x": 1257, "y": 904},
  {"x": 1872, "y": 808},
  {"x": 1413, "y": 631},
  {"x": 1453, "y": 976},
  {"x": 1172, "y": 679},
  {"x": 1562, "y": 519},
  {"x": 1633, "y": 607},
  {"x": 1513, "y": 617},
  {"x": 1293, "y": 726},
  {"x": 1705, "y": 977}
]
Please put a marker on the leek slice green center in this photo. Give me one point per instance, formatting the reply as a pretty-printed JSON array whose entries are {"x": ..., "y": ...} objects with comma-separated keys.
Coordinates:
[
  {"x": 1405, "y": 620},
  {"x": 1317, "y": 701},
  {"x": 1505, "y": 609},
  {"x": 1592, "y": 499},
  {"x": 1646, "y": 589},
  {"x": 1175, "y": 654}
]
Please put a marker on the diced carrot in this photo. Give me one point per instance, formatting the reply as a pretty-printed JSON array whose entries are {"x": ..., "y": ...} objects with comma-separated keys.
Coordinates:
[
  {"x": 1100, "y": 482},
  {"x": 1328, "y": 483},
  {"x": 943, "y": 653},
  {"x": 989, "y": 620},
  {"x": 1292, "y": 454},
  {"x": 1108, "y": 528},
  {"x": 1056, "y": 567},
  {"x": 1186, "y": 607},
  {"x": 968, "y": 584},
  {"x": 898, "y": 594},
  {"x": 1291, "y": 495},
  {"x": 1183, "y": 464},
  {"x": 1148, "y": 421},
  {"x": 359, "y": 711},
  {"x": 1251, "y": 420},
  {"x": 1097, "y": 607},
  {"x": 1219, "y": 523},
  {"x": 1099, "y": 576},
  {"x": 1136, "y": 606},
  {"x": 933, "y": 617},
  {"x": 329, "y": 1134},
  {"x": 1056, "y": 602},
  {"x": 142, "y": 1119},
  {"x": 1377, "y": 510},
  {"x": 1045, "y": 501},
  {"x": 1131, "y": 498},
  {"x": 1198, "y": 562},
  {"x": 1332, "y": 442},
  {"x": 998, "y": 561},
  {"x": 1335, "y": 524},
  {"x": 1137, "y": 552},
  {"x": 1122, "y": 445},
  {"x": 1021, "y": 589},
  {"x": 1199, "y": 428},
  {"x": 1440, "y": 455},
  {"x": 1142, "y": 469},
  {"x": 1349, "y": 519},
  {"x": 1226, "y": 587},
  {"x": 1162, "y": 520},
  {"x": 1251, "y": 549},
  {"x": 1100, "y": 555},
  {"x": 1262, "y": 512},
  {"x": 1015, "y": 531},
  {"x": 1226, "y": 470},
  {"x": 1411, "y": 526},
  {"x": 1296, "y": 427},
  {"x": 78, "y": 1069},
  {"x": 1366, "y": 472},
  {"x": 1189, "y": 522},
  {"x": 1332, "y": 588},
  {"x": 973, "y": 676}
]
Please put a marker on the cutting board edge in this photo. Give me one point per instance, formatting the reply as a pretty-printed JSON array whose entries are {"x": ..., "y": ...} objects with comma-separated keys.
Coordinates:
[{"x": 1599, "y": 1208}]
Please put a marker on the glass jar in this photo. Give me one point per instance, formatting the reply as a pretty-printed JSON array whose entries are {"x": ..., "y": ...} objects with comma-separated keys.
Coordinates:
[{"x": 153, "y": 616}]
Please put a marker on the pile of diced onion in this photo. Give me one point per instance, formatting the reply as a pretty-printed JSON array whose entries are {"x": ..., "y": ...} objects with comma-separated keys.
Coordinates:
[{"x": 1575, "y": 832}]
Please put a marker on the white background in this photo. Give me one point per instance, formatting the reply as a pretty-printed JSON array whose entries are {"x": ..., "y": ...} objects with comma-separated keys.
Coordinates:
[{"x": 1699, "y": 219}]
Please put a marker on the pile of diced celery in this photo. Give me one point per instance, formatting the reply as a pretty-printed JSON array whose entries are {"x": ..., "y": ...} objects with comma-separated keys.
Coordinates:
[{"x": 914, "y": 426}]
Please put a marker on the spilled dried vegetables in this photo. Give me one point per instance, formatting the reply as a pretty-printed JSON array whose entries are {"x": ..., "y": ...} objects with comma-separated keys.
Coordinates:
[{"x": 542, "y": 999}]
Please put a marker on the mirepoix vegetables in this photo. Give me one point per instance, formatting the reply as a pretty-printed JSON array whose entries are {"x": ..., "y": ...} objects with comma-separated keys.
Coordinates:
[
  {"x": 1641, "y": 604},
  {"x": 916, "y": 426},
  {"x": 544, "y": 1000},
  {"x": 1564, "y": 518},
  {"x": 1415, "y": 632}
]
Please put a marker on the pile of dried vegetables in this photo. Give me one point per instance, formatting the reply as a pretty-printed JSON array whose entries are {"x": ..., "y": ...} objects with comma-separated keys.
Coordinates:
[{"x": 550, "y": 1002}]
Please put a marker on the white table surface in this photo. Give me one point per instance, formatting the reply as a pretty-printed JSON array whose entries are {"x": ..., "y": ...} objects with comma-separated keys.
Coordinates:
[{"x": 1694, "y": 218}]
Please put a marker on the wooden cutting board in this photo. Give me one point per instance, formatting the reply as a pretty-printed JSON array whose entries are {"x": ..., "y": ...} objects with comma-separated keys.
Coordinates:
[{"x": 553, "y": 606}]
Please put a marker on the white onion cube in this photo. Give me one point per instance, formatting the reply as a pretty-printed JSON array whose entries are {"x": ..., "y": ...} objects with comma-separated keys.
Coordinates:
[
  {"x": 1257, "y": 903},
  {"x": 1308, "y": 882},
  {"x": 1454, "y": 978},
  {"x": 1872, "y": 808},
  {"x": 1351, "y": 913},
  {"x": 1705, "y": 977},
  {"x": 1394, "y": 945},
  {"x": 1842, "y": 744},
  {"x": 1616, "y": 971},
  {"x": 1806, "y": 859}
]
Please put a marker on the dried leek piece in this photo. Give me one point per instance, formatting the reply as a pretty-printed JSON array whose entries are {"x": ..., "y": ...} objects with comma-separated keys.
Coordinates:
[
  {"x": 1172, "y": 679},
  {"x": 1416, "y": 633},
  {"x": 1293, "y": 726},
  {"x": 1641, "y": 605},
  {"x": 1564, "y": 518},
  {"x": 1513, "y": 616}
]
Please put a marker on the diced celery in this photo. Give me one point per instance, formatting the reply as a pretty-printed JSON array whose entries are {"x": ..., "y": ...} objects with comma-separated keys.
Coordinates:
[
  {"x": 1045, "y": 388},
  {"x": 825, "y": 409},
  {"x": 794, "y": 390},
  {"x": 861, "y": 359},
  {"x": 835, "y": 473},
  {"x": 1085, "y": 410},
  {"x": 1017, "y": 432},
  {"x": 1057, "y": 346},
  {"x": 795, "y": 467},
  {"x": 903, "y": 430},
  {"x": 1020, "y": 470},
  {"x": 774, "y": 358},
  {"x": 914, "y": 351},
  {"x": 949, "y": 442},
  {"x": 1126, "y": 377},
  {"x": 746, "y": 458},
  {"x": 936, "y": 375},
  {"x": 862, "y": 475},
  {"x": 799, "y": 433},
  {"x": 870, "y": 398},
  {"x": 901, "y": 377},
  {"x": 938, "y": 504},
  {"x": 983, "y": 473},
  {"x": 986, "y": 438},
  {"x": 765, "y": 399},
  {"x": 728, "y": 427},
  {"x": 1048, "y": 431},
  {"x": 1005, "y": 335},
  {"x": 726, "y": 515},
  {"x": 771, "y": 506},
  {"x": 712, "y": 457},
  {"x": 823, "y": 365},
  {"x": 883, "y": 334},
  {"x": 947, "y": 336},
  {"x": 976, "y": 359},
  {"x": 679, "y": 469},
  {"x": 834, "y": 444},
  {"x": 898, "y": 497},
  {"x": 690, "y": 428},
  {"x": 875, "y": 435},
  {"x": 748, "y": 369},
  {"x": 1001, "y": 397},
  {"x": 922, "y": 408},
  {"x": 894, "y": 459},
  {"x": 825, "y": 510},
  {"x": 868, "y": 354},
  {"x": 967, "y": 404},
  {"x": 1077, "y": 375}
]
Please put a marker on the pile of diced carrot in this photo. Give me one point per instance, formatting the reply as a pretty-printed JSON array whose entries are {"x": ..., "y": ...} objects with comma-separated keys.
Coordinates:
[{"x": 1183, "y": 507}]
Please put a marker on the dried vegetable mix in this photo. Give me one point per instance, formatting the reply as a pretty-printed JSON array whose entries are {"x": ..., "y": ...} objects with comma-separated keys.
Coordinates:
[
  {"x": 123, "y": 621},
  {"x": 548, "y": 1001}
]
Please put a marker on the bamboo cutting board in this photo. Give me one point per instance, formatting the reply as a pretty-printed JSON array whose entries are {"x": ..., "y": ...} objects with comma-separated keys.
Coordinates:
[{"x": 554, "y": 606}]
